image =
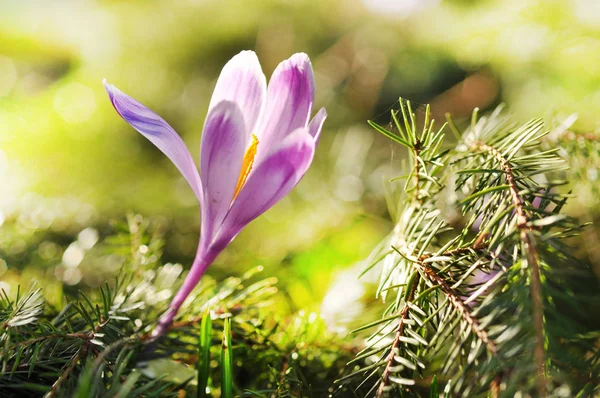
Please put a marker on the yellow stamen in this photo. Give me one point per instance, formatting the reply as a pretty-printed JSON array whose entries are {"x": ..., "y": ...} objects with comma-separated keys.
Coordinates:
[{"x": 246, "y": 165}]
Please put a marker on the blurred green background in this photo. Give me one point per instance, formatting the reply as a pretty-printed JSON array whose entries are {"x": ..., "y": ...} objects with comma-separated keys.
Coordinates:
[{"x": 71, "y": 169}]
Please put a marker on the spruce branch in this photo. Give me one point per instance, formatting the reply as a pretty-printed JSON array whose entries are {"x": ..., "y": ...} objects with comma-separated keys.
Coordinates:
[
  {"x": 453, "y": 297},
  {"x": 495, "y": 387},
  {"x": 415, "y": 148},
  {"x": 468, "y": 301},
  {"x": 460, "y": 306},
  {"x": 532, "y": 259},
  {"x": 394, "y": 346},
  {"x": 82, "y": 352},
  {"x": 568, "y": 135},
  {"x": 53, "y": 336}
]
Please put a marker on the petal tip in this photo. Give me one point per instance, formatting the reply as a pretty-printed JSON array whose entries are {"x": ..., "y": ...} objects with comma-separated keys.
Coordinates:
[
  {"x": 298, "y": 61},
  {"x": 301, "y": 63},
  {"x": 115, "y": 96},
  {"x": 300, "y": 58},
  {"x": 247, "y": 53},
  {"x": 316, "y": 124},
  {"x": 111, "y": 90},
  {"x": 107, "y": 86},
  {"x": 246, "y": 58}
]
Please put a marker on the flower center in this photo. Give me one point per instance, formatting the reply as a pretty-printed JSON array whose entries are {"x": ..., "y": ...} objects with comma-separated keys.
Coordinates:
[{"x": 246, "y": 166}]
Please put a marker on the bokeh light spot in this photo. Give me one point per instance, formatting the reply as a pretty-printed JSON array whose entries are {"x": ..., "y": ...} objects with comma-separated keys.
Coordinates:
[
  {"x": 48, "y": 250},
  {"x": 3, "y": 267},
  {"x": 87, "y": 238},
  {"x": 8, "y": 75},
  {"x": 73, "y": 255},
  {"x": 349, "y": 188},
  {"x": 72, "y": 276}
]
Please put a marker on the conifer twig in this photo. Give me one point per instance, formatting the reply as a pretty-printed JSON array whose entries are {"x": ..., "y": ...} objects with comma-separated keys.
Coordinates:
[
  {"x": 572, "y": 136},
  {"x": 390, "y": 358},
  {"x": 495, "y": 387},
  {"x": 456, "y": 301},
  {"x": 416, "y": 153},
  {"x": 81, "y": 336},
  {"x": 82, "y": 352},
  {"x": 532, "y": 260}
]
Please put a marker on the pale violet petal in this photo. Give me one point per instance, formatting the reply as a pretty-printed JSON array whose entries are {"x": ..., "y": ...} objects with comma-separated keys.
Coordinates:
[
  {"x": 224, "y": 142},
  {"x": 272, "y": 180},
  {"x": 290, "y": 95},
  {"x": 155, "y": 129},
  {"x": 316, "y": 125},
  {"x": 242, "y": 81}
]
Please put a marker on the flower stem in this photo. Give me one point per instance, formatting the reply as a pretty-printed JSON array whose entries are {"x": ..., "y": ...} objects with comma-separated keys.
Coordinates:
[{"x": 199, "y": 266}]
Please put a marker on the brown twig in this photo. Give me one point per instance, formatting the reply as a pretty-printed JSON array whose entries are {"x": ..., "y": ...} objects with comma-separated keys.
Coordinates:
[
  {"x": 416, "y": 154},
  {"x": 454, "y": 299},
  {"x": 457, "y": 302},
  {"x": 510, "y": 179},
  {"x": 532, "y": 260},
  {"x": 495, "y": 387},
  {"x": 82, "y": 352},
  {"x": 431, "y": 274},
  {"x": 572, "y": 136},
  {"x": 285, "y": 365},
  {"x": 82, "y": 336},
  {"x": 390, "y": 358}
]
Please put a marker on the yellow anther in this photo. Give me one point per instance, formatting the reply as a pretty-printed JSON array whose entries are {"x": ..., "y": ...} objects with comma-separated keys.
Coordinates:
[{"x": 246, "y": 165}]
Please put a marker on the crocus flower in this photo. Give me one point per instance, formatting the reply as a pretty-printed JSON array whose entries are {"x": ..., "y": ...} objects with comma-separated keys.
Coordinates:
[{"x": 257, "y": 143}]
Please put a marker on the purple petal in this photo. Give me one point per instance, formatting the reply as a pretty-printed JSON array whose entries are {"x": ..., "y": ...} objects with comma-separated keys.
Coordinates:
[
  {"x": 290, "y": 96},
  {"x": 243, "y": 82},
  {"x": 272, "y": 180},
  {"x": 224, "y": 142},
  {"x": 154, "y": 128},
  {"x": 316, "y": 124}
]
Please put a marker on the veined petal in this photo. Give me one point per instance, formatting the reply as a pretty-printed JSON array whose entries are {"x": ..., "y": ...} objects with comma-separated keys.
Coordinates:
[
  {"x": 272, "y": 180},
  {"x": 290, "y": 96},
  {"x": 316, "y": 125},
  {"x": 242, "y": 81},
  {"x": 155, "y": 129},
  {"x": 224, "y": 142}
]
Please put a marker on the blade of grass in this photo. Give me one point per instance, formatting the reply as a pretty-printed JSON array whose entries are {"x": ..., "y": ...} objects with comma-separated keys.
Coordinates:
[
  {"x": 204, "y": 353},
  {"x": 434, "y": 390},
  {"x": 226, "y": 362}
]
